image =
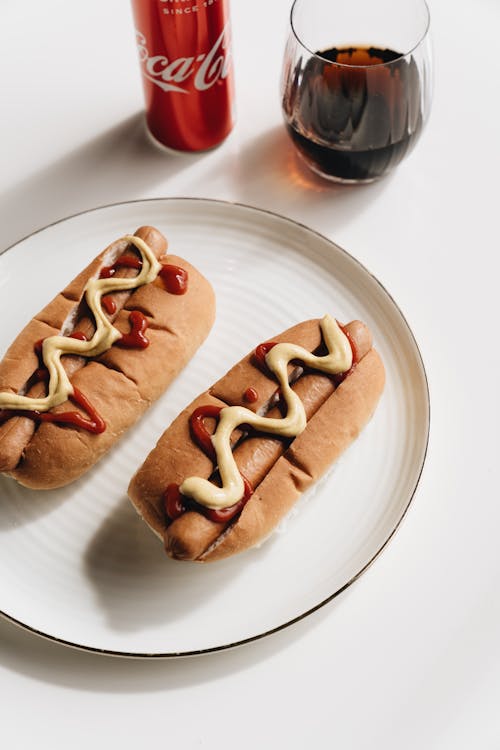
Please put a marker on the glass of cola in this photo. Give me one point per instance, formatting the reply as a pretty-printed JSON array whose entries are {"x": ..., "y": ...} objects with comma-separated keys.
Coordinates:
[{"x": 356, "y": 84}]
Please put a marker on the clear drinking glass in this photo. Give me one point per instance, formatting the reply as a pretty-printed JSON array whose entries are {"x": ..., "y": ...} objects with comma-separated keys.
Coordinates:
[{"x": 356, "y": 84}]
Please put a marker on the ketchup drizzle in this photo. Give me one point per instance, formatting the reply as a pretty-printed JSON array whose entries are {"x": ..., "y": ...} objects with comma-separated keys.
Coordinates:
[
  {"x": 200, "y": 433},
  {"x": 123, "y": 261},
  {"x": 175, "y": 505},
  {"x": 79, "y": 335},
  {"x": 173, "y": 502},
  {"x": 108, "y": 304},
  {"x": 223, "y": 515},
  {"x": 355, "y": 356},
  {"x": 261, "y": 351},
  {"x": 250, "y": 395},
  {"x": 37, "y": 346},
  {"x": 137, "y": 336},
  {"x": 174, "y": 278},
  {"x": 94, "y": 423}
]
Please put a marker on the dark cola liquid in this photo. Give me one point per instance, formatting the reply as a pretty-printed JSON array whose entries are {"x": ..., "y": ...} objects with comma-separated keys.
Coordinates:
[{"x": 355, "y": 112}]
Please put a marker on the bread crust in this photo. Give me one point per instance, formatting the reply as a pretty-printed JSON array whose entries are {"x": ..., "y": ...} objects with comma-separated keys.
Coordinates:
[
  {"x": 278, "y": 470},
  {"x": 121, "y": 384}
]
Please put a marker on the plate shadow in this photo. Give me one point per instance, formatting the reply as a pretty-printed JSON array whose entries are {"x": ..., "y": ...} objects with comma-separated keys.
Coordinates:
[{"x": 136, "y": 584}]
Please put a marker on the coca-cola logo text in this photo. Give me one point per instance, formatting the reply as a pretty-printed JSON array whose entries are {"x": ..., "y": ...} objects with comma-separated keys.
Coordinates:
[{"x": 206, "y": 68}]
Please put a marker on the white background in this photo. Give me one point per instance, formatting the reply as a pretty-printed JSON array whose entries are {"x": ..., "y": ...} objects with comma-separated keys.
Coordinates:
[{"x": 408, "y": 657}]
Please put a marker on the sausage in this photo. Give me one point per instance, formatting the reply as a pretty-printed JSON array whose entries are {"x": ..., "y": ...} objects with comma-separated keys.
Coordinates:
[{"x": 279, "y": 469}]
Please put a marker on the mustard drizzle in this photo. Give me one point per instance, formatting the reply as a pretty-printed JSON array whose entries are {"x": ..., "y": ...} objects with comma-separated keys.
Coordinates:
[
  {"x": 54, "y": 347},
  {"x": 338, "y": 360}
]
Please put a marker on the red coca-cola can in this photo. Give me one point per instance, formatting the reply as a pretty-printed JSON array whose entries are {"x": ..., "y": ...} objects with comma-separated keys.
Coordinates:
[{"x": 185, "y": 57}]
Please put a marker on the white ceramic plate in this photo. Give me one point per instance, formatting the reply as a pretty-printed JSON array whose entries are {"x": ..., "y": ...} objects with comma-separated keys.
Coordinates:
[{"x": 79, "y": 566}]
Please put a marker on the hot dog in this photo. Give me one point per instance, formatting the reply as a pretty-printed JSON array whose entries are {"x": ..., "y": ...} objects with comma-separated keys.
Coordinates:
[
  {"x": 328, "y": 391},
  {"x": 90, "y": 363}
]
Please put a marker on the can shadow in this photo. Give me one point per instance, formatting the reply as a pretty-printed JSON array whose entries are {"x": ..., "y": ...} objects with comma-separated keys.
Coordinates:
[{"x": 119, "y": 164}]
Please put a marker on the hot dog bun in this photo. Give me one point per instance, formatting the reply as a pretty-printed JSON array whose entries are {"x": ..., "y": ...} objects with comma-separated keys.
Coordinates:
[
  {"x": 279, "y": 469},
  {"x": 120, "y": 383}
]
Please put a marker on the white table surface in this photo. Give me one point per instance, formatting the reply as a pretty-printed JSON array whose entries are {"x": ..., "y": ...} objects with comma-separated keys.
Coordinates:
[{"x": 409, "y": 656}]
